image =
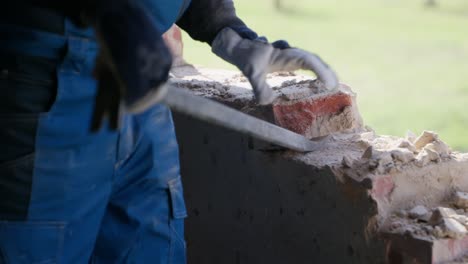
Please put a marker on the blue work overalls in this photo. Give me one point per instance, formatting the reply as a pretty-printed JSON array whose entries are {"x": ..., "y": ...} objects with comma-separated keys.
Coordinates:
[{"x": 70, "y": 196}]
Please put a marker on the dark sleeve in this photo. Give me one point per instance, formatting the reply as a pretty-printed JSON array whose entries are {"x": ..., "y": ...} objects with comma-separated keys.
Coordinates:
[{"x": 203, "y": 19}]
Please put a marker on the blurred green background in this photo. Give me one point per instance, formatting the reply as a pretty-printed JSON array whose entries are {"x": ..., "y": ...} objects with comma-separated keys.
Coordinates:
[{"x": 407, "y": 62}]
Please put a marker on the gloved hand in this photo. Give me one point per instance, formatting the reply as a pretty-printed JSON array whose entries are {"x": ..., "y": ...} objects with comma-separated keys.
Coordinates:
[
  {"x": 255, "y": 57},
  {"x": 216, "y": 23},
  {"x": 133, "y": 63}
]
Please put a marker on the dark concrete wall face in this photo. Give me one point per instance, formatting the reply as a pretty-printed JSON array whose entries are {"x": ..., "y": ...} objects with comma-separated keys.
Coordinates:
[{"x": 251, "y": 206}]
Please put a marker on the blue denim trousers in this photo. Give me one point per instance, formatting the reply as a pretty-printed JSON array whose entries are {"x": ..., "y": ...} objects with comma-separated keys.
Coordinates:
[{"x": 68, "y": 195}]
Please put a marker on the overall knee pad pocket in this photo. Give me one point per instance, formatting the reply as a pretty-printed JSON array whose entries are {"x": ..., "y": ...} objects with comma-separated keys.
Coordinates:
[
  {"x": 31, "y": 242},
  {"x": 178, "y": 214}
]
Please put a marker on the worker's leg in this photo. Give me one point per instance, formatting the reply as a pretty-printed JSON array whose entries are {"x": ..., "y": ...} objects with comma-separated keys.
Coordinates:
[
  {"x": 144, "y": 220},
  {"x": 55, "y": 177}
]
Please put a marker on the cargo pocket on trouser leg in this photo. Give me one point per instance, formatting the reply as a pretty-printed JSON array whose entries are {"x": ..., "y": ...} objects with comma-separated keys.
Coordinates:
[
  {"x": 31, "y": 242},
  {"x": 178, "y": 214}
]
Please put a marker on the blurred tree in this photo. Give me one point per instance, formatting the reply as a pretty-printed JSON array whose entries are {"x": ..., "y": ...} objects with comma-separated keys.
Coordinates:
[
  {"x": 431, "y": 3},
  {"x": 278, "y": 5}
]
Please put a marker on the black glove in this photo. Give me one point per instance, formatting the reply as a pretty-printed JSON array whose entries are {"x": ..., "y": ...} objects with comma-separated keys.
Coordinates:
[{"x": 216, "y": 22}]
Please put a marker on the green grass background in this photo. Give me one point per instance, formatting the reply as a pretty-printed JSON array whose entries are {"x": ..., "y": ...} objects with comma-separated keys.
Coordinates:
[{"x": 408, "y": 63}]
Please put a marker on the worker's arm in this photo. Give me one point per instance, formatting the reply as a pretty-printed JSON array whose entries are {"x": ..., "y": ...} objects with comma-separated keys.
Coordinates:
[
  {"x": 216, "y": 23},
  {"x": 133, "y": 60}
]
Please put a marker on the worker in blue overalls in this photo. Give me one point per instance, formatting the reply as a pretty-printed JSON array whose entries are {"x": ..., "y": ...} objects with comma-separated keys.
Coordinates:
[{"x": 114, "y": 195}]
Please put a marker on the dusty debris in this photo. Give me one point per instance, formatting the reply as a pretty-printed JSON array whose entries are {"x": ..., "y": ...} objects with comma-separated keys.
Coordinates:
[
  {"x": 430, "y": 148},
  {"x": 450, "y": 228},
  {"x": 403, "y": 155},
  {"x": 426, "y": 156},
  {"x": 347, "y": 162},
  {"x": 283, "y": 73},
  {"x": 442, "y": 223},
  {"x": 381, "y": 154},
  {"x": 406, "y": 144},
  {"x": 385, "y": 159},
  {"x": 419, "y": 212},
  {"x": 422, "y": 159},
  {"x": 402, "y": 224},
  {"x": 441, "y": 213},
  {"x": 385, "y": 142},
  {"x": 425, "y": 138},
  {"x": 431, "y": 154},
  {"x": 439, "y": 147},
  {"x": 462, "y": 219},
  {"x": 461, "y": 200},
  {"x": 401, "y": 213},
  {"x": 368, "y": 136},
  {"x": 368, "y": 153}
]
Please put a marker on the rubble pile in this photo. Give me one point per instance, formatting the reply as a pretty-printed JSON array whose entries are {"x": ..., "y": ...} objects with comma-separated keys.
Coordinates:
[{"x": 438, "y": 222}]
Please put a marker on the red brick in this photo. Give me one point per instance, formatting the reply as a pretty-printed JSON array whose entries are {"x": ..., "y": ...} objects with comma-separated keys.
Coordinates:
[{"x": 300, "y": 115}]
